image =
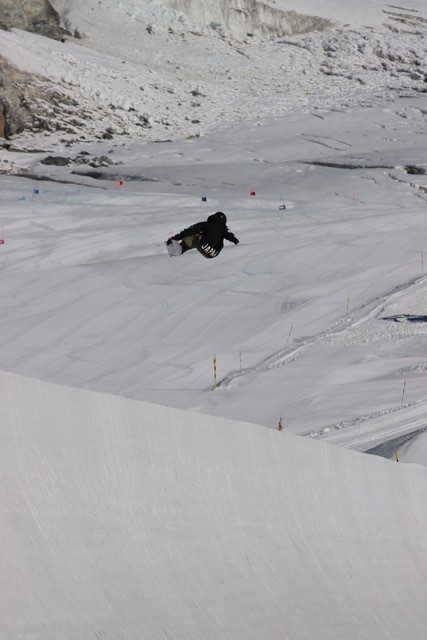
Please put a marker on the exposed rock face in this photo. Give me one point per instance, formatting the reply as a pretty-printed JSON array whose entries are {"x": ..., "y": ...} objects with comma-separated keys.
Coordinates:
[
  {"x": 15, "y": 115},
  {"x": 2, "y": 122},
  {"x": 29, "y": 102},
  {"x": 37, "y": 16}
]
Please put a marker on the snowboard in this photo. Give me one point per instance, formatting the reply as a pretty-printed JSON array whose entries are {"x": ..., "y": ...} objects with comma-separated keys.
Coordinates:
[{"x": 174, "y": 248}]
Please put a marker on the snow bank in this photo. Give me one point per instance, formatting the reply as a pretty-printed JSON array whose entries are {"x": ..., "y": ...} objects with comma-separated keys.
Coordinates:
[{"x": 122, "y": 519}]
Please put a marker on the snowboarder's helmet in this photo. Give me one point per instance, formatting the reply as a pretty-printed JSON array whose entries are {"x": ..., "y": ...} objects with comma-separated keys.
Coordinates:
[{"x": 221, "y": 217}]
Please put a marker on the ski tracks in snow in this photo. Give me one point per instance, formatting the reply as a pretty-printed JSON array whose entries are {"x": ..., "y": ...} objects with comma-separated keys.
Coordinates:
[
  {"x": 361, "y": 433},
  {"x": 367, "y": 432},
  {"x": 344, "y": 325}
]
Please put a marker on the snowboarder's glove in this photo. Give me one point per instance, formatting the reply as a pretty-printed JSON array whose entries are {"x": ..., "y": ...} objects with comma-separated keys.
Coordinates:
[
  {"x": 169, "y": 241},
  {"x": 235, "y": 241}
]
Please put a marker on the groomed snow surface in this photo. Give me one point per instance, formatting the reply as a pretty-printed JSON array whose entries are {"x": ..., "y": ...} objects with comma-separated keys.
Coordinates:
[
  {"x": 122, "y": 519},
  {"x": 195, "y": 517},
  {"x": 317, "y": 315}
]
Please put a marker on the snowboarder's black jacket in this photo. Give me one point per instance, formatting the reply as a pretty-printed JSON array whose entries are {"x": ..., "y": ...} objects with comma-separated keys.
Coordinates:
[{"x": 210, "y": 234}]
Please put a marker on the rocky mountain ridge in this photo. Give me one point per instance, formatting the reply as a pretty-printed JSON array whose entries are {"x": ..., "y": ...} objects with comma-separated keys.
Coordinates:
[{"x": 37, "y": 16}]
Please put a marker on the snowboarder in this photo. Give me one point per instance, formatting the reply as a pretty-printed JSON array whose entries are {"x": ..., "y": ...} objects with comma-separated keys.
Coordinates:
[{"x": 207, "y": 237}]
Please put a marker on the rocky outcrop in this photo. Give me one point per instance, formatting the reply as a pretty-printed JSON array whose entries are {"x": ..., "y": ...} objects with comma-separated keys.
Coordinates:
[
  {"x": 14, "y": 87},
  {"x": 37, "y": 16},
  {"x": 2, "y": 122},
  {"x": 29, "y": 102}
]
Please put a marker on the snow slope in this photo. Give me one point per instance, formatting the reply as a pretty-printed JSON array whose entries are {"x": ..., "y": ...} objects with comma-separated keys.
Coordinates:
[
  {"x": 364, "y": 13},
  {"x": 90, "y": 298},
  {"x": 128, "y": 520},
  {"x": 294, "y": 315},
  {"x": 125, "y": 520},
  {"x": 147, "y": 71}
]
